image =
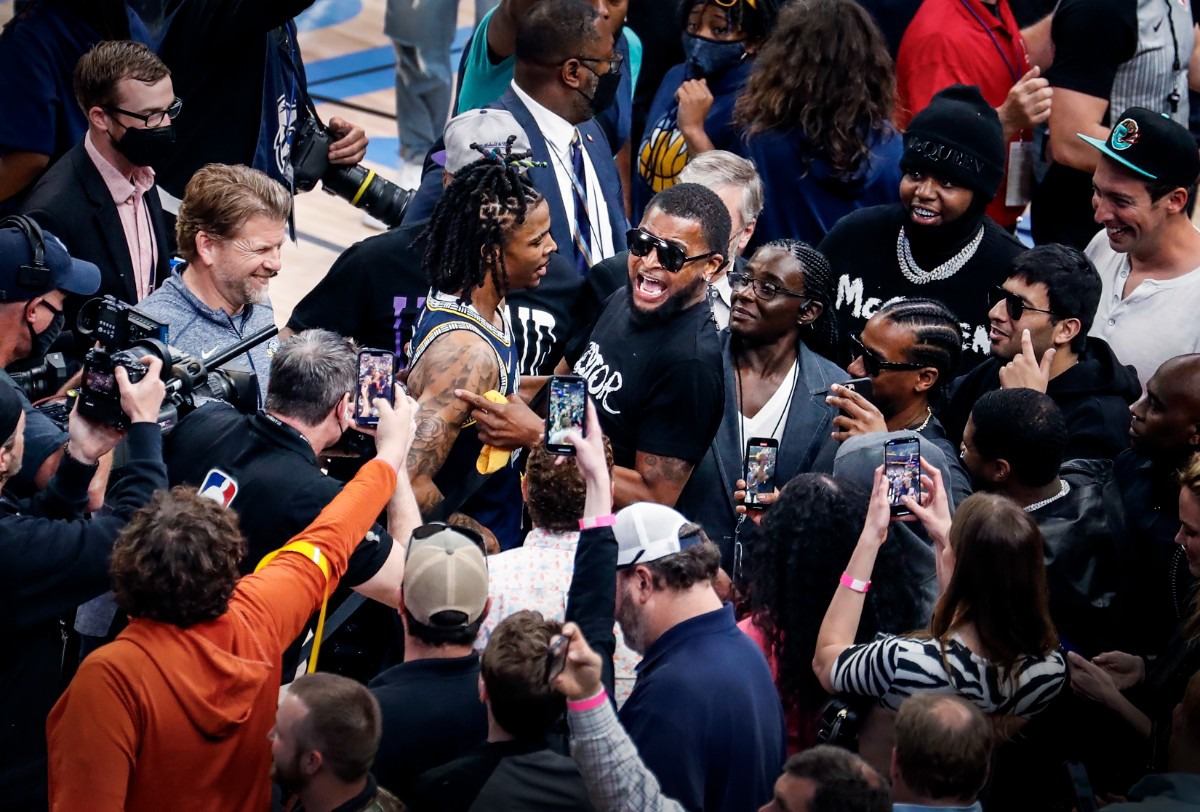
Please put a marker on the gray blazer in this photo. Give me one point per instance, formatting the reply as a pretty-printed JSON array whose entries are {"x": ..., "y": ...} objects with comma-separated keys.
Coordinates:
[{"x": 707, "y": 499}]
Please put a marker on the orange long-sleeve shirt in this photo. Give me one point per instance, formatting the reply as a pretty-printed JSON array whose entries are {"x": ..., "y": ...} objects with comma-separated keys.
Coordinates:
[{"x": 171, "y": 718}]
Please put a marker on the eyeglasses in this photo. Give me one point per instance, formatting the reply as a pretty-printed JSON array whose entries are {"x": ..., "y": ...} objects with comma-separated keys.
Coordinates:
[
  {"x": 762, "y": 289},
  {"x": 154, "y": 119},
  {"x": 1015, "y": 304},
  {"x": 670, "y": 256},
  {"x": 873, "y": 364},
  {"x": 613, "y": 61}
]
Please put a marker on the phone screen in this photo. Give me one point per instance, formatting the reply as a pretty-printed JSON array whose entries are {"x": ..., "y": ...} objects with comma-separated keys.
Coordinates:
[
  {"x": 902, "y": 467},
  {"x": 761, "y": 455},
  {"x": 566, "y": 410},
  {"x": 376, "y": 379}
]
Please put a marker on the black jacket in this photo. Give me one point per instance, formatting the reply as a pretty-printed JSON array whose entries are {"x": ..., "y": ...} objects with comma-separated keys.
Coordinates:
[
  {"x": 1094, "y": 396},
  {"x": 51, "y": 560},
  {"x": 72, "y": 202}
]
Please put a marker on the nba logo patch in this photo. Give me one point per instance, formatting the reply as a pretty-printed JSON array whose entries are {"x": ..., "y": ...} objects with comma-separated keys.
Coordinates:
[{"x": 219, "y": 487}]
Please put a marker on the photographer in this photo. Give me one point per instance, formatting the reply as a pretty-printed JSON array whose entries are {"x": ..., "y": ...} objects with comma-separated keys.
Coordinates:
[
  {"x": 36, "y": 274},
  {"x": 52, "y": 559}
]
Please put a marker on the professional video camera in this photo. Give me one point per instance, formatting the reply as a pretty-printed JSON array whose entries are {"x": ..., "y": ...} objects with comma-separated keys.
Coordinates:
[
  {"x": 356, "y": 184},
  {"x": 45, "y": 379},
  {"x": 127, "y": 336}
]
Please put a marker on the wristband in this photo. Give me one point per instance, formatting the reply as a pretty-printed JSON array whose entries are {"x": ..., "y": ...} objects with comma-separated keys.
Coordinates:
[
  {"x": 854, "y": 584},
  {"x": 597, "y": 521},
  {"x": 588, "y": 704}
]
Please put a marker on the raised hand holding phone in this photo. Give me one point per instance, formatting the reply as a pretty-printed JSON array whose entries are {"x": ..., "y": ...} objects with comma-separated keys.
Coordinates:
[{"x": 376, "y": 381}]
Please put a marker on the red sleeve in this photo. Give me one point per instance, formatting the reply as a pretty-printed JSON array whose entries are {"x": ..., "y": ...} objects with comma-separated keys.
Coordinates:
[
  {"x": 281, "y": 597},
  {"x": 99, "y": 709},
  {"x": 924, "y": 66}
]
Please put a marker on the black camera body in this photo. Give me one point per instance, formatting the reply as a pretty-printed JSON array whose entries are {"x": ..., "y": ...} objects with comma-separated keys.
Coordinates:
[
  {"x": 99, "y": 397},
  {"x": 360, "y": 186},
  {"x": 118, "y": 325},
  {"x": 45, "y": 379}
]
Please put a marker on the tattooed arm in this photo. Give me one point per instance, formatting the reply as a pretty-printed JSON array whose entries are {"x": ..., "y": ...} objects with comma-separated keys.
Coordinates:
[
  {"x": 457, "y": 360},
  {"x": 653, "y": 478}
]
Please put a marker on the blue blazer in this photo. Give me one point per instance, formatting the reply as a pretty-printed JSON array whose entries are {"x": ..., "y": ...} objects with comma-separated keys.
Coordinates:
[
  {"x": 546, "y": 182},
  {"x": 807, "y": 445}
]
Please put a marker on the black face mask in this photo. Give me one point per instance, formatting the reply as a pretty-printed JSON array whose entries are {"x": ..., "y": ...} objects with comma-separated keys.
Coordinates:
[
  {"x": 41, "y": 342},
  {"x": 605, "y": 93},
  {"x": 148, "y": 147},
  {"x": 710, "y": 57}
]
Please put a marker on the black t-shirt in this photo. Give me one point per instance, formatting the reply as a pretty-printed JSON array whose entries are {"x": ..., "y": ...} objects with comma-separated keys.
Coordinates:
[
  {"x": 267, "y": 473},
  {"x": 1092, "y": 38},
  {"x": 861, "y": 249},
  {"x": 376, "y": 288},
  {"x": 431, "y": 715},
  {"x": 658, "y": 388}
]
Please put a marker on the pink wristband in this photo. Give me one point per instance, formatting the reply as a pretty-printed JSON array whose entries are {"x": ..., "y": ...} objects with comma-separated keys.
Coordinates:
[
  {"x": 597, "y": 521},
  {"x": 854, "y": 584},
  {"x": 588, "y": 704}
]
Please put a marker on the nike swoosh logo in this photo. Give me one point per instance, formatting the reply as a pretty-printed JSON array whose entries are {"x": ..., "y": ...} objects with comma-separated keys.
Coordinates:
[
  {"x": 1160, "y": 22},
  {"x": 206, "y": 354}
]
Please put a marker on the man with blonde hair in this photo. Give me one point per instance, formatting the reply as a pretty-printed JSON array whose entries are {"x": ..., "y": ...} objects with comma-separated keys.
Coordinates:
[{"x": 230, "y": 229}]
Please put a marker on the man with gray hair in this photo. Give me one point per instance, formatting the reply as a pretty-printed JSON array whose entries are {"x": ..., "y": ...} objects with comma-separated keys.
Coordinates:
[
  {"x": 736, "y": 182},
  {"x": 266, "y": 465},
  {"x": 230, "y": 229}
]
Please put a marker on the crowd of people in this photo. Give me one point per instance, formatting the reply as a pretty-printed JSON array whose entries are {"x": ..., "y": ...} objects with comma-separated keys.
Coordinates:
[{"x": 870, "y": 503}]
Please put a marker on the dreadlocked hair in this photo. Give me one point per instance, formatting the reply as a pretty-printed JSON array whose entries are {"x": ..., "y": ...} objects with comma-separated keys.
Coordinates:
[
  {"x": 818, "y": 286},
  {"x": 937, "y": 336},
  {"x": 464, "y": 241}
]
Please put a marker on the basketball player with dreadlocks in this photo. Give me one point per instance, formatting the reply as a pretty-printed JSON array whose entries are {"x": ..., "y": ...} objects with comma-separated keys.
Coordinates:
[{"x": 489, "y": 234}]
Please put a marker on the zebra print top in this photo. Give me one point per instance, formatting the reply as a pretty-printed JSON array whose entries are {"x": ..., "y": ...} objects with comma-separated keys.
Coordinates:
[{"x": 894, "y": 668}]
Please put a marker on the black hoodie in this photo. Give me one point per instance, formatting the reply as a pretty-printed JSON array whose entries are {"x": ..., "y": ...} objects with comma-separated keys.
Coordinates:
[{"x": 1094, "y": 396}]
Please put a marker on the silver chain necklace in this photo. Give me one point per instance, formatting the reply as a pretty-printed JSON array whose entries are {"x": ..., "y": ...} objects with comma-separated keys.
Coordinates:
[
  {"x": 1066, "y": 488},
  {"x": 919, "y": 276}
]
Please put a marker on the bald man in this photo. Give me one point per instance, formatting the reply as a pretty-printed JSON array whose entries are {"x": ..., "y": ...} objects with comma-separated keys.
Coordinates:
[
  {"x": 943, "y": 748},
  {"x": 1165, "y": 431}
]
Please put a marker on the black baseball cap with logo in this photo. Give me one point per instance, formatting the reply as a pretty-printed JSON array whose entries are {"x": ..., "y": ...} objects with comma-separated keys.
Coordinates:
[{"x": 1153, "y": 146}]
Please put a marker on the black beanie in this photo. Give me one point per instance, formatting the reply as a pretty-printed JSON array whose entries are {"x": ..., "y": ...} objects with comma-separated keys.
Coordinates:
[{"x": 958, "y": 137}]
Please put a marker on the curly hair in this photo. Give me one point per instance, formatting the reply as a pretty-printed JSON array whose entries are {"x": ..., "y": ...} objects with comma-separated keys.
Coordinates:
[
  {"x": 556, "y": 492},
  {"x": 798, "y": 81},
  {"x": 177, "y": 560},
  {"x": 818, "y": 286},
  {"x": 464, "y": 241},
  {"x": 681, "y": 571}
]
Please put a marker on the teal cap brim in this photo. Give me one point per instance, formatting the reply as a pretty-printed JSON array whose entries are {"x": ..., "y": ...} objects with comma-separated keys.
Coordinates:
[{"x": 1116, "y": 156}]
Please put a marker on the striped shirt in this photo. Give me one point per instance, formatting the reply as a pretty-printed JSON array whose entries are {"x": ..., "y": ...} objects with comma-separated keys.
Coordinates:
[{"x": 894, "y": 668}]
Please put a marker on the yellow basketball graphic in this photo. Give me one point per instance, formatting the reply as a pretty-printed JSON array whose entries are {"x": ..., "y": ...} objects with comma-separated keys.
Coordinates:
[{"x": 663, "y": 155}]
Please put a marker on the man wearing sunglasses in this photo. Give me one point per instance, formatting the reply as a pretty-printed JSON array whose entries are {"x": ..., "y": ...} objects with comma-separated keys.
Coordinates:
[
  {"x": 100, "y": 198},
  {"x": 1040, "y": 319}
]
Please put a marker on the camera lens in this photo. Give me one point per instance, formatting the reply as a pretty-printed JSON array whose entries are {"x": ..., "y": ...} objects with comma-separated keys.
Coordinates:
[{"x": 378, "y": 196}]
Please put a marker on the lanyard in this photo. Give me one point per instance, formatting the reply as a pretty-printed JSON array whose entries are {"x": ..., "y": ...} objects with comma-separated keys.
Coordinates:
[{"x": 1016, "y": 75}]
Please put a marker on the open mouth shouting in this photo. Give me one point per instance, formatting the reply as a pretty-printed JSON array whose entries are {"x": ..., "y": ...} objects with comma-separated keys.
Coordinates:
[{"x": 649, "y": 291}]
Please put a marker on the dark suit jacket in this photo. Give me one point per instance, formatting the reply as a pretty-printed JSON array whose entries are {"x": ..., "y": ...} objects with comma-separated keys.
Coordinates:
[
  {"x": 807, "y": 445},
  {"x": 72, "y": 202},
  {"x": 543, "y": 177}
]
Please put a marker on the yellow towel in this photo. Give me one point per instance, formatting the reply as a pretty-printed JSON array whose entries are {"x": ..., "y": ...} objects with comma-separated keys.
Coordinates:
[{"x": 491, "y": 459}]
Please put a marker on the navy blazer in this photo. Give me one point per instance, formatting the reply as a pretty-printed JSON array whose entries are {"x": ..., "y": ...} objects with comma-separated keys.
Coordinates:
[
  {"x": 543, "y": 177},
  {"x": 807, "y": 445},
  {"x": 72, "y": 202}
]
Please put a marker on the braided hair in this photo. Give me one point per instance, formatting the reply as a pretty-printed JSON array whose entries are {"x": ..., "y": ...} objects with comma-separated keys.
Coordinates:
[
  {"x": 818, "y": 286},
  {"x": 464, "y": 241},
  {"x": 937, "y": 336}
]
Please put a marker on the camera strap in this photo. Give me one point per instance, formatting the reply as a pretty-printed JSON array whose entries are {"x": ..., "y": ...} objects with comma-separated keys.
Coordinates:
[{"x": 313, "y": 554}]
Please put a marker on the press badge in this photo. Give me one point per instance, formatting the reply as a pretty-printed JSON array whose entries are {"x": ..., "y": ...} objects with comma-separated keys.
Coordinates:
[{"x": 1019, "y": 187}]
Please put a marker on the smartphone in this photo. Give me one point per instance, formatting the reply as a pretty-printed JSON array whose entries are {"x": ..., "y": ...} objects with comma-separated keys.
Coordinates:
[
  {"x": 1085, "y": 798},
  {"x": 860, "y": 385},
  {"x": 376, "y": 379},
  {"x": 567, "y": 410},
  {"x": 902, "y": 467},
  {"x": 556, "y": 657},
  {"x": 759, "y": 470}
]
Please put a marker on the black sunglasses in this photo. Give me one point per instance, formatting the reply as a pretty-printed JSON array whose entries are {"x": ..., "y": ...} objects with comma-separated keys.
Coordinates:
[
  {"x": 670, "y": 256},
  {"x": 873, "y": 364},
  {"x": 763, "y": 289},
  {"x": 1015, "y": 304},
  {"x": 154, "y": 119}
]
